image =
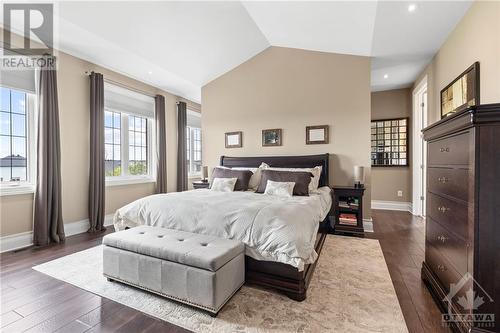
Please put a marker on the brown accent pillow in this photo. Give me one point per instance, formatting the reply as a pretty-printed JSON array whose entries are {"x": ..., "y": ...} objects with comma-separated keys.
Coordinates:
[
  {"x": 301, "y": 180},
  {"x": 242, "y": 175}
]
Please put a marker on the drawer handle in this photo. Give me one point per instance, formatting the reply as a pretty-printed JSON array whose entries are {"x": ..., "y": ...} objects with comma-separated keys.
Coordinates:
[
  {"x": 442, "y": 238},
  {"x": 443, "y": 180},
  {"x": 441, "y": 268},
  {"x": 443, "y": 209},
  {"x": 447, "y": 149}
]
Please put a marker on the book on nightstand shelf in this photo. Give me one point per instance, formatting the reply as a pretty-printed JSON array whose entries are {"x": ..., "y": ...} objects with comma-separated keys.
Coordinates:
[
  {"x": 349, "y": 204},
  {"x": 350, "y": 219},
  {"x": 343, "y": 204}
]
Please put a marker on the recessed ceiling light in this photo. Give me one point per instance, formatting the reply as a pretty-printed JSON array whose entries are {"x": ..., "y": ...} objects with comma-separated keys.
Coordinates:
[
  {"x": 412, "y": 7},
  {"x": 150, "y": 72},
  {"x": 386, "y": 76}
]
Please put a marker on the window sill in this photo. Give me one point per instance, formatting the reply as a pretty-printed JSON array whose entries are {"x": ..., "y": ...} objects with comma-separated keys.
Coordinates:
[
  {"x": 120, "y": 181},
  {"x": 20, "y": 189}
]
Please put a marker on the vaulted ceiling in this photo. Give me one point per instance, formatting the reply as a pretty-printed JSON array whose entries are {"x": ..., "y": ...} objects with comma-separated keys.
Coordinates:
[{"x": 181, "y": 46}]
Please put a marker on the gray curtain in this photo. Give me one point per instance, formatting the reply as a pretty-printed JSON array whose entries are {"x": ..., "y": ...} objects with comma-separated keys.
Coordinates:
[
  {"x": 182, "y": 171},
  {"x": 161, "y": 145},
  {"x": 47, "y": 218},
  {"x": 97, "y": 173}
]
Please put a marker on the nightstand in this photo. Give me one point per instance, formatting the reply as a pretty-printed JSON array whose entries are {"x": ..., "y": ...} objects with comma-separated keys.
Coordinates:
[
  {"x": 348, "y": 210},
  {"x": 200, "y": 184}
]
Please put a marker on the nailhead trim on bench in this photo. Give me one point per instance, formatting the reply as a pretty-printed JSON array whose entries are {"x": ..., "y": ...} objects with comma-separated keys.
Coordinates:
[{"x": 182, "y": 300}]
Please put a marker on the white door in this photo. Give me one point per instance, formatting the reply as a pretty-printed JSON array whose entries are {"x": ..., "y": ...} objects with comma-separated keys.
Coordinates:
[
  {"x": 419, "y": 148},
  {"x": 423, "y": 179}
]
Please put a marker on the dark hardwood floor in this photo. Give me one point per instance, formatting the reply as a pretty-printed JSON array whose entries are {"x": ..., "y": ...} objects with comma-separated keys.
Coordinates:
[
  {"x": 402, "y": 238},
  {"x": 34, "y": 302}
]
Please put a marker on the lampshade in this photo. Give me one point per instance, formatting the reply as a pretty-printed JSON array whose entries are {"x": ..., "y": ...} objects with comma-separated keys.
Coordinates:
[
  {"x": 205, "y": 172},
  {"x": 359, "y": 174}
]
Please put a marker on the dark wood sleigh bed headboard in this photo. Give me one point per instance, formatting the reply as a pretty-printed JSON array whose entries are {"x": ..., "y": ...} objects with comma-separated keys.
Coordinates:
[{"x": 308, "y": 161}]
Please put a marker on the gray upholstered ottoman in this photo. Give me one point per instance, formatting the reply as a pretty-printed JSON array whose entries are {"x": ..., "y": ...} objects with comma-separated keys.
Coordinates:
[{"x": 203, "y": 271}]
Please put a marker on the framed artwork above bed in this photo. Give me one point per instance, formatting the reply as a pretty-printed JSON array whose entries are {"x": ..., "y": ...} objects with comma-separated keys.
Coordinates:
[
  {"x": 271, "y": 137},
  {"x": 233, "y": 139},
  {"x": 317, "y": 134}
]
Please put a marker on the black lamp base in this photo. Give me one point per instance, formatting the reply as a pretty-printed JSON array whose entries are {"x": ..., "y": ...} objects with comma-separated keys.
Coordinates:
[{"x": 358, "y": 185}]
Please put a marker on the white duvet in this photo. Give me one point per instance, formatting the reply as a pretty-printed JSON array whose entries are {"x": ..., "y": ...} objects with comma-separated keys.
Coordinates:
[{"x": 272, "y": 228}]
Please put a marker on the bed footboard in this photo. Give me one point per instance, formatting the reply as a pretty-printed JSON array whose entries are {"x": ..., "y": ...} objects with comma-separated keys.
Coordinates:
[{"x": 282, "y": 277}]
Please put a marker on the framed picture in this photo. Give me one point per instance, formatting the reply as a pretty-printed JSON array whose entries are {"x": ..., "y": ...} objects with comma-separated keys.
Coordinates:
[
  {"x": 462, "y": 92},
  {"x": 271, "y": 137},
  {"x": 317, "y": 134},
  {"x": 389, "y": 142},
  {"x": 234, "y": 140}
]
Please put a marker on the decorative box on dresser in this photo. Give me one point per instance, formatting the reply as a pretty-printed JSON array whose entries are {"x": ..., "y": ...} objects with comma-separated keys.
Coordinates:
[{"x": 462, "y": 247}]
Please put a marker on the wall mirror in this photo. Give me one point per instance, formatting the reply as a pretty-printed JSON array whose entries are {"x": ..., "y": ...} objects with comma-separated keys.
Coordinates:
[
  {"x": 389, "y": 142},
  {"x": 462, "y": 92}
]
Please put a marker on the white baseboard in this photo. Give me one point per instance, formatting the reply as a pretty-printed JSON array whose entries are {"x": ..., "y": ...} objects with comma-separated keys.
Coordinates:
[
  {"x": 25, "y": 239},
  {"x": 368, "y": 225},
  {"x": 392, "y": 205},
  {"x": 16, "y": 241}
]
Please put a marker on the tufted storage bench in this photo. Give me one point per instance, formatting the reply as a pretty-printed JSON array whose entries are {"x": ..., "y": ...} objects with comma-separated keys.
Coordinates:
[{"x": 199, "y": 270}]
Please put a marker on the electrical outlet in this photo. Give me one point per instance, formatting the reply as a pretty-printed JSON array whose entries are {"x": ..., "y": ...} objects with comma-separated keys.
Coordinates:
[{"x": 400, "y": 193}]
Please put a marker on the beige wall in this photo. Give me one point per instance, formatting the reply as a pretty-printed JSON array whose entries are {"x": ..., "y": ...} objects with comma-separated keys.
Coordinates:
[
  {"x": 291, "y": 89},
  {"x": 387, "y": 181},
  {"x": 475, "y": 38},
  {"x": 16, "y": 211}
]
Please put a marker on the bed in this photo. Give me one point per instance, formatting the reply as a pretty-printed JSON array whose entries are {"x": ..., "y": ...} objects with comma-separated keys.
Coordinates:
[{"x": 283, "y": 236}]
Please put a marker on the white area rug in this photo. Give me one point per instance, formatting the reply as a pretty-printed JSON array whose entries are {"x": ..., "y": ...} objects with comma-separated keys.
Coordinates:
[{"x": 351, "y": 291}]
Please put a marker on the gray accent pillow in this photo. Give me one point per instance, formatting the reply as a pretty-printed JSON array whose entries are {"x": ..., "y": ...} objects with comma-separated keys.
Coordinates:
[
  {"x": 243, "y": 177},
  {"x": 301, "y": 180}
]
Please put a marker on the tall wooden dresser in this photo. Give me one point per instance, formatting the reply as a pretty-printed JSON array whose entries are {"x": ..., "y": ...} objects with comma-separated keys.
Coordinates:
[{"x": 462, "y": 248}]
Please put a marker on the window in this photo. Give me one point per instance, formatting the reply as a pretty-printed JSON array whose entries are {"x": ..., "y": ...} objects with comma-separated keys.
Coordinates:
[
  {"x": 138, "y": 155},
  {"x": 112, "y": 143},
  {"x": 193, "y": 143},
  {"x": 128, "y": 144},
  {"x": 16, "y": 139}
]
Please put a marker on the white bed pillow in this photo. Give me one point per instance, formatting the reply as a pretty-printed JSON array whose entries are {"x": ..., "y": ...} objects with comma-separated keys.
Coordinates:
[
  {"x": 316, "y": 172},
  {"x": 254, "y": 182},
  {"x": 279, "y": 189},
  {"x": 223, "y": 184}
]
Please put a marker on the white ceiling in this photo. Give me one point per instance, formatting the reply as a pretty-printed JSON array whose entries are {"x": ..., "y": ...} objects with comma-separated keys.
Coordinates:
[
  {"x": 400, "y": 42},
  {"x": 404, "y": 42},
  {"x": 180, "y": 46},
  {"x": 339, "y": 27}
]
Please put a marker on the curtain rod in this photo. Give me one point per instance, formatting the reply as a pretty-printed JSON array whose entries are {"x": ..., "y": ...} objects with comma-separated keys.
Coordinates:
[{"x": 122, "y": 85}]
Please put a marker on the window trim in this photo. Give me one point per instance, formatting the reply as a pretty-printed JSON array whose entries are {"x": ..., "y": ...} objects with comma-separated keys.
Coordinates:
[
  {"x": 190, "y": 129},
  {"x": 125, "y": 179},
  {"x": 29, "y": 186},
  {"x": 119, "y": 180}
]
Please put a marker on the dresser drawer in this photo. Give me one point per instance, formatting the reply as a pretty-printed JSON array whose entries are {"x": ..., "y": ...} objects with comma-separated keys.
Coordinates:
[
  {"x": 450, "y": 214},
  {"x": 452, "y": 150},
  {"x": 446, "y": 274},
  {"x": 453, "y": 182},
  {"x": 449, "y": 245}
]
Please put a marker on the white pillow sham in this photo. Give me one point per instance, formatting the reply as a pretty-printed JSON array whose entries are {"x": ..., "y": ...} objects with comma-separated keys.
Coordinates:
[
  {"x": 223, "y": 184},
  {"x": 279, "y": 189},
  {"x": 316, "y": 172}
]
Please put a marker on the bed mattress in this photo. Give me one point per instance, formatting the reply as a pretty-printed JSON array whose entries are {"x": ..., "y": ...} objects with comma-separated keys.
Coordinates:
[{"x": 272, "y": 228}]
